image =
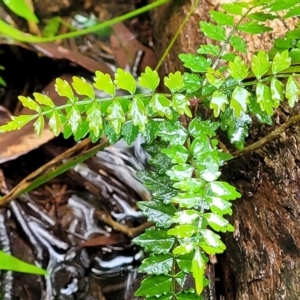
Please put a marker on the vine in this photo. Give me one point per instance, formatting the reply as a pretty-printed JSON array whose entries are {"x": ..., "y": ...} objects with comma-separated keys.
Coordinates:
[{"x": 189, "y": 201}]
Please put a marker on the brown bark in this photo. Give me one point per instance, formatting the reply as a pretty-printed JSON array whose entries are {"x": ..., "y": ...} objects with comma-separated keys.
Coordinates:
[{"x": 262, "y": 260}]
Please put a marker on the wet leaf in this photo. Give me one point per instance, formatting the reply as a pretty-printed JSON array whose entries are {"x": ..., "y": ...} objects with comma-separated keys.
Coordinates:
[
  {"x": 125, "y": 81},
  {"x": 149, "y": 79},
  {"x": 292, "y": 91},
  {"x": 260, "y": 64},
  {"x": 162, "y": 284},
  {"x": 112, "y": 136},
  {"x": 215, "y": 77},
  {"x": 188, "y": 200},
  {"x": 162, "y": 105},
  {"x": 151, "y": 130},
  {"x": 183, "y": 231},
  {"x": 181, "y": 104},
  {"x": 183, "y": 295},
  {"x": 172, "y": 132},
  {"x": 233, "y": 8},
  {"x": 115, "y": 115},
  {"x": 129, "y": 132},
  {"x": 186, "y": 217},
  {"x": 82, "y": 87},
  {"x": 38, "y": 125},
  {"x": 198, "y": 128},
  {"x": 63, "y": 89},
  {"x": 137, "y": 113},
  {"x": 192, "y": 185},
  {"x": 94, "y": 118},
  {"x": 82, "y": 131},
  {"x": 103, "y": 82},
  {"x": 218, "y": 102},
  {"x": 238, "y": 44},
  {"x": 215, "y": 32},
  {"x": 198, "y": 268},
  {"x": 157, "y": 264},
  {"x": 223, "y": 190},
  {"x": 196, "y": 63},
  {"x": 281, "y": 62},
  {"x": 255, "y": 108},
  {"x": 218, "y": 223},
  {"x": 184, "y": 248},
  {"x": 219, "y": 206},
  {"x": 158, "y": 212},
  {"x": 212, "y": 243},
  {"x": 200, "y": 146},
  {"x": 253, "y": 28},
  {"x": 238, "y": 69},
  {"x": 178, "y": 153},
  {"x": 155, "y": 240},
  {"x": 209, "y": 49},
  {"x": 55, "y": 123},
  {"x": 74, "y": 118},
  {"x": 239, "y": 101},
  {"x": 180, "y": 172},
  {"x": 174, "y": 81},
  {"x": 191, "y": 82},
  {"x": 263, "y": 97}
]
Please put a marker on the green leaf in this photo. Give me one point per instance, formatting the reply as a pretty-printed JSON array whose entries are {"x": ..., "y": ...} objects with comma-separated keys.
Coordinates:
[
  {"x": 261, "y": 16},
  {"x": 186, "y": 217},
  {"x": 223, "y": 190},
  {"x": 233, "y": 8},
  {"x": 212, "y": 243},
  {"x": 218, "y": 223},
  {"x": 215, "y": 32},
  {"x": 198, "y": 268},
  {"x": 74, "y": 118},
  {"x": 181, "y": 104},
  {"x": 11, "y": 263},
  {"x": 52, "y": 27},
  {"x": 238, "y": 44},
  {"x": 191, "y": 185},
  {"x": 215, "y": 77},
  {"x": 295, "y": 11},
  {"x": 183, "y": 231},
  {"x": 111, "y": 134},
  {"x": 63, "y": 89},
  {"x": 183, "y": 295},
  {"x": 281, "y": 62},
  {"x": 188, "y": 200},
  {"x": 260, "y": 64},
  {"x": 178, "y": 153},
  {"x": 155, "y": 240},
  {"x": 103, "y": 82},
  {"x": 149, "y": 79},
  {"x": 158, "y": 212},
  {"x": 180, "y": 172},
  {"x": 82, "y": 87},
  {"x": 221, "y": 18},
  {"x": 197, "y": 63},
  {"x": 38, "y": 125},
  {"x": 262, "y": 116},
  {"x": 94, "y": 118},
  {"x": 157, "y": 264},
  {"x": 239, "y": 100},
  {"x": 154, "y": 285},
  {"x": 151, "y": 131},
  {"x": 184, "y": 248},
  {"x": 55, "y": 123},
  {"x": 238, "y": 69},
  {"x": 125, "y": 81},
  {"x": 292, "y": 91},
  {"x": 218, "y": 102},
  {"x": 191, "y": 82},
  {"x": 219, "y": 206},
  {"x": 209, "y": 49},
  {"x": 161, "y": 104},
  {"x": 137, "y": 113},
  {"x": 205, "y": 128},
  {"x": 237, "y": 128},
  {"x": 172, "y": 132},
  {"x": 280, "y": 5},
  {"x": 43, "y": 99},
  {"x": 254, "y": 28},
  {"x": 82, "y": 131},
  {"x": 22, "y": 9},
  {"x": 116, "y": 115},
  {"x": 200, "y": 146},
  {"x": 263, "y": 96},
  {"x": 129, "y": 132},
  {"x": 28, "y": 102}
]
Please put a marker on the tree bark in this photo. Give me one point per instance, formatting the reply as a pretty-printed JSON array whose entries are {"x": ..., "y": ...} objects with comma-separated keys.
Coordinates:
[{"x": 262, "y": 260}]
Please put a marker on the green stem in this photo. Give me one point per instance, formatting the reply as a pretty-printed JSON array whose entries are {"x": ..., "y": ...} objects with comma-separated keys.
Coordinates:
[{"x": 11, "y": 32}]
